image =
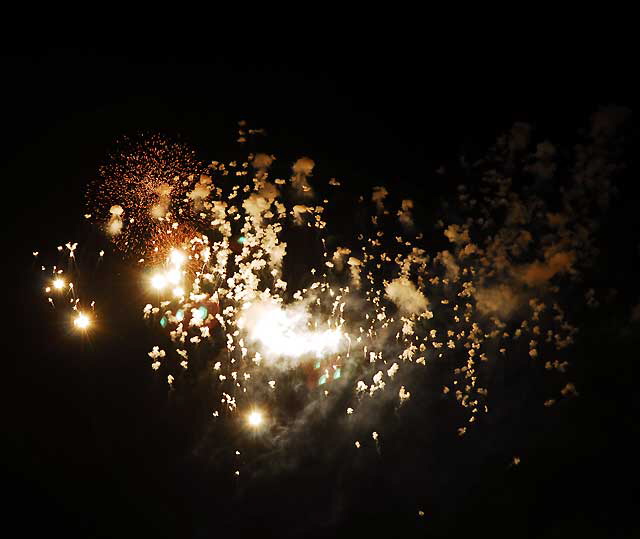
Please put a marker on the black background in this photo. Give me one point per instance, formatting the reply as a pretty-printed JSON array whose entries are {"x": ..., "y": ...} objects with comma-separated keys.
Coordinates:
[{"x": 96, "y": 447}]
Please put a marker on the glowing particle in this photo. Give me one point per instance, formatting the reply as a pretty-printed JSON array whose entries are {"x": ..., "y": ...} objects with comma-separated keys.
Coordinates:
[
  {"x": 82, "y": 321},
  {"x": 255, "y": 418},
  {"x": 177, "y": 258},
  {"x": 178, "y": 292},
  {"x": 58, "y": 284},
  {"x": 158, "y": 281},
  {"x": 173, "y": 276}
]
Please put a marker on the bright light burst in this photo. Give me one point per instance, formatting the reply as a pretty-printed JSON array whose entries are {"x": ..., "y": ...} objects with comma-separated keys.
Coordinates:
[
  {"x": 82, "y": 321},
  {"x": 141, "y": 189},
  {"x": 255, "y": 418},
  {"x": 58, "y": 283},
  {"x": 177, "y": 258},
  {"x": 286, "y": 332},
  {"x": 367, "y": 313},
  {"x": 158, "y": 281}
]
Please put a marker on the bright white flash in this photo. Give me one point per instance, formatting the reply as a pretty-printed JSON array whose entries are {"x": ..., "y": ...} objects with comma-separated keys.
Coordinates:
[
  {"x": 255, "y": 418},
  {"x": 178, "y": 292},
  {"x": 173, "y": 276},
  {"x": 177, "y": 258},
  {"x": 158, "y": 281},
  {"x": 285, "y": 332},
  {"x": 58, "y": 284},
  {"x": 82, "y": 321}
]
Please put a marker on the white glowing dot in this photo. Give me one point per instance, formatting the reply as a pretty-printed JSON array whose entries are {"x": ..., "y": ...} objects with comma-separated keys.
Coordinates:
[
  {"x": 82, "y": 321},
  {"x": 178, "y": 292},
  {"x": 255, "y": 418},
  {"x": 173, "y": 276},
  {"x": 177, "y": 258},
  {"x": 58, "y": 284},
  {"x": 158, "y": 281}
]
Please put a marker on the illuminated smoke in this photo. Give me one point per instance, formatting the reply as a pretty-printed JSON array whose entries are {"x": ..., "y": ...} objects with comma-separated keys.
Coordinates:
[
  {"x": 286, "y": 333},
  {"x": 406, "y": 296},
  {"x": 378, "y": 196},
  {"x": 114, "y": 226},
  {"x": 210, "y": 253},
  {"x": 302, "y": 169}
]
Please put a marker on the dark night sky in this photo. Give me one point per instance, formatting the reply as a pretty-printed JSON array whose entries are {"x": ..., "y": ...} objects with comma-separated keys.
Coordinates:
[{"x": 95, "y": 445}]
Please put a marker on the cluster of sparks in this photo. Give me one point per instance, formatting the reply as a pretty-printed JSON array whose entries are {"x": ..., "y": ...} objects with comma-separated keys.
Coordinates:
[{"x": 210, "y": 244}]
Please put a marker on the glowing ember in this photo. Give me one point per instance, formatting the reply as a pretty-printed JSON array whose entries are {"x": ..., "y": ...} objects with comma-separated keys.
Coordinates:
[
  {"x": 82, "y": 321},
  {"x": 58, "y": 284},
  {"x": 158, "y": 281},
  {"x": 255, "y": 418}
]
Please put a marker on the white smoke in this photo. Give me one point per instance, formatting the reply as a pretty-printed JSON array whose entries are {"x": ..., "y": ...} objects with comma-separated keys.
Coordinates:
[
  {"x": 114, "y": 226},
  {"x": 302, "y": 169},
  {"x": 406, "y": 296}
]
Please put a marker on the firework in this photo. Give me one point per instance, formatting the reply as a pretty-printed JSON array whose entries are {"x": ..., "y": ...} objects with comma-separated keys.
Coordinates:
[
  {"x": 82, "y": 321},
  {"x": 255, "y": 419},
  {"x": 141, "y": 191},
  {"x": 372, "y": 312}
]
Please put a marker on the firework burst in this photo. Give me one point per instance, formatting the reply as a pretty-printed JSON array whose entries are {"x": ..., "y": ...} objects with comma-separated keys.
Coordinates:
[
  {"x": 141, "y": 191},
  {"x": 378, "y": 308}
]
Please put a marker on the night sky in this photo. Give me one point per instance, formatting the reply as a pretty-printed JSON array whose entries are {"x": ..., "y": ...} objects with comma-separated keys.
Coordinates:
[{"x": 96, "y": 445}]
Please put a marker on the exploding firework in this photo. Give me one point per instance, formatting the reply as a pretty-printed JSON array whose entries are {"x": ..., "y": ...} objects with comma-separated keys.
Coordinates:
[
  {"x": 377, "y": 308},
  {"x": 141, "y": 191}
]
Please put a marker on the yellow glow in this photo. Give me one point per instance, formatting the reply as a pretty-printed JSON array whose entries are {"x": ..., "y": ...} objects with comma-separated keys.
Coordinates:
[
  {"x": 177, "y": 258},
  {"x": 178, "y": 292},
  {"x": 82, "y": 321},
  {"x": 58, "y": 283},
  {"x": 158, "y": 281},
  {"x": 286, "y": 333},
  {"x": 255, "y": 418},
  {"x": 173, "y": 276}
]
